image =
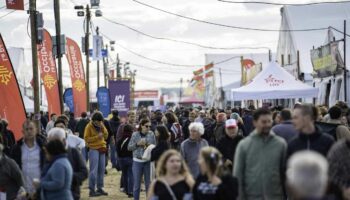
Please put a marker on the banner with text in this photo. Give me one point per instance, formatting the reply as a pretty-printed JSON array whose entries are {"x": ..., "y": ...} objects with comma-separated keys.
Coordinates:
[
  {"x": 48, "y": 73},
  {"x": 103, "y": 100},
  {"x": 15, "y": 4},
  {"x": 120, "y": 96},
  {"x": 77, "y": 76},
  {"x": 11, "y": 104},
  {"x": 68, "y": 99}
]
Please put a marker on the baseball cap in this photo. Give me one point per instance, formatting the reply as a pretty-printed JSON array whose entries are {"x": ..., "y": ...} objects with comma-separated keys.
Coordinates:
[{"x": 231, "y": 123}]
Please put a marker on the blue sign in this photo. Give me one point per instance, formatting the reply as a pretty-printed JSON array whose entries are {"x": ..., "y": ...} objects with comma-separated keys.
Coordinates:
[
  {"x": 103, "y": 100},
  {"x": 68, "y": 99},
  {"x": 103, "y": 51}
]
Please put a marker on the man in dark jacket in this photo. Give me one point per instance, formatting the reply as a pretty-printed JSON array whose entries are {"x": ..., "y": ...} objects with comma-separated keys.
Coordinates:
[
  {"x": 228, "y": 144},
  {"x": 114, "y": 124},
  {"x": 72, "y": 123},
  {"x": 285, "y": 129},
  {"x": 76, "y": 160},
  {"x": 309, "y": 137},
  {"x": 80, "y": 128},
  {"x": 29, "y": 155}
]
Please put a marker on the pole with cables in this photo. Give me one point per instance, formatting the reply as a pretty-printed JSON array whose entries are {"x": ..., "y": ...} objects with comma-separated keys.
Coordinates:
[
  {"x": 88, "y": 18},
  {"x": 345, "y": 69}
]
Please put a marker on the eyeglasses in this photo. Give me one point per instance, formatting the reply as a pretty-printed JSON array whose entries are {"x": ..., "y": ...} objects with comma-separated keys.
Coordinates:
[{"x": 147, "y": 126}]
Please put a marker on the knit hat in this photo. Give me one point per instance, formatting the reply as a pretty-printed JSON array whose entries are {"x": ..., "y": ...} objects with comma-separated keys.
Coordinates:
[
  {"x": 235, "y": 116},
  {"x": 231, "y": 123}
]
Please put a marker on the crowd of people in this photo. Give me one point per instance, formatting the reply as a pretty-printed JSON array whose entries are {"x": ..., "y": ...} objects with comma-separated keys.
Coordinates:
[{"x": 185, "y": 153}]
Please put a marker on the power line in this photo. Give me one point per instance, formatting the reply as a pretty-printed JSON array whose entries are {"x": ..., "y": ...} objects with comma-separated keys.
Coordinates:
[
  {"x": 179, "y": 41},
  {"x": 230, "y": 26},
  {"x": 283, "y": 4}
]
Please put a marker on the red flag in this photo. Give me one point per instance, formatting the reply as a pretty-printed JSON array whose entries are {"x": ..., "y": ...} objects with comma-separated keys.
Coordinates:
[
  {"x": 48, "y": 73},
  {"x": 208, "y": 66},
  {"x": 209, "y": 74},
  {"x": 15, "y": 4},
  {"x": 77, "y": 76},
  {"x": 198, "y": 72},
  {"x": 11, "y": 104}
]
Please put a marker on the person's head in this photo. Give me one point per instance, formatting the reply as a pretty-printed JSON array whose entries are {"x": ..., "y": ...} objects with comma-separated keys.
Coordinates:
[
  {"x": 221, "y": 117},
  {"x": 231, "y": 128},
  {"x": 162, "y": 133},
  {"x": 128, "y": 130},
  {"x": 59, "y": 123},
  {"x": 57, "y": 134},
  {"x": 64, "y": 118},
  {"x": 307, "y": 175},
  {"x": 97, "y": 118},
  {"x": 335, "y": 112},
  {"x": 304, "y": 116},
  {"x": 170, "y": 117},
  {"x": 53, "y": 116},
  {"x": 83, "y": 115},
  {"x": 192, "y": 116},
  {"x": 115, "y": 113},
  {"x": 131, "y": 117},
  {"x": 210, "y": 161},
  {"x": 262, "y": 121},
  {"x": 202, "y": 113},
  {"x": 286, "y": 115},
  {"x": 54, "y": 148},
  {"x": 196, "y": 130},
  {"x": 171, "y": 162},
  {"x": 158, "y": 115},
  {"x": 71, "y": 115},
  {"x": 145, "y": 125},
  {"x": 186, "y": 113},
  {"x": 29, "y": 130},
  {"x": 276, "y": 117},
  {"x": 5, "y": 123}
]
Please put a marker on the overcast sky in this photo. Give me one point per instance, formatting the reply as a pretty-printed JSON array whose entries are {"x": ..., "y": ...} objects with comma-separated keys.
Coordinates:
[{"x": 14, "y": 30}]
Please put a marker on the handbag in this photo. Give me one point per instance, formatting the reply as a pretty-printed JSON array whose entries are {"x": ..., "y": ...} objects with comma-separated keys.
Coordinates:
[{"x": 147, "y": 153}]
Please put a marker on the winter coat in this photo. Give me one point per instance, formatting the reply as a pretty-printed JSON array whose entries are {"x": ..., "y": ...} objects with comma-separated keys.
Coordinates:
[
  {"x": 80, "y": 172},
  {"x": 318, "y": 141},
  {"x": 285, "y": 130},
  {"x": 190, "y": 152},
  {"x": 80, "y": 127},
  {"x": 137, "y": 151},
  {"x": 259, "y": 166},
  {"x": 10, "y": 177},
  {"x": 160, "y": 148}
]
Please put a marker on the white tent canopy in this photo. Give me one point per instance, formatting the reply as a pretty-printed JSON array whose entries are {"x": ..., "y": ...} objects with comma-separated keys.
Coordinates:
[{"x": 274, "y": 82}]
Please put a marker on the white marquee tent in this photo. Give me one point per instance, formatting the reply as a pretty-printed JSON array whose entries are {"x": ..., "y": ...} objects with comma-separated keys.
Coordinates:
[{"x": 274, "y": 82}]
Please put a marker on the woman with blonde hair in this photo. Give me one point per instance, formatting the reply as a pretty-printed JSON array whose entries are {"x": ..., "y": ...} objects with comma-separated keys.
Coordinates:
[
  {"x": 214, "y": 183},
  {"x": 174, "y": 181}
]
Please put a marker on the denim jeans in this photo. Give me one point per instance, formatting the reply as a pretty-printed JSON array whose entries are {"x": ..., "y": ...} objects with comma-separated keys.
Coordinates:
[
  {"x": 127, "y": 178},
  {"x": 84, "y": 153},
  {"x": 97, "y": 169},
  {"x": 139, "y": 169},
  {"x": 113, "y": 155}
]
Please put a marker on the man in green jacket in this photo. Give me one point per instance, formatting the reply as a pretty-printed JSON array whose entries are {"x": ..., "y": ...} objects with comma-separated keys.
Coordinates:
[{"x": 259, "y": 161}]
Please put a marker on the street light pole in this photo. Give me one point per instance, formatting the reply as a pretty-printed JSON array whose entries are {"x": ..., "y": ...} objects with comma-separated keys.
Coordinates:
[
  {"x": 98, "y": 63},
  {"x": 59, "y": 54},
  {"x": 33, "y": 31},
  {"x": 88, "y": 18}
]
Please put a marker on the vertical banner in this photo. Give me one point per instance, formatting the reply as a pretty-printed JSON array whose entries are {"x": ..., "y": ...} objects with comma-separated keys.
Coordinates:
[
  {"x": 15, "y": 4},
  {"x": 120, "y": 96},
  {"x": 249, "y": 70},
  {"x": 77, "y": 75},
  {"x": 48, "y": 73},
  {"x": 103, "y": 100},
  {"x": 68, "y": 99},
  {"x": 97, "y": 48},
  {"x": 11, "y": 104}
]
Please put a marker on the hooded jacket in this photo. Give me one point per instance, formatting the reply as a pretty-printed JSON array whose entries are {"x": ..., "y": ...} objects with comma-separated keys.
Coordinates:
[{"x": 317, "y": 141}]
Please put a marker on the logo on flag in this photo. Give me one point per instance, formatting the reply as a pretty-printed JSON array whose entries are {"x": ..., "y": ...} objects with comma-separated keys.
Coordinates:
[
  {"x": 49, "y": 81},
  {"x": 79, "y": 85},
  {"x": 5, "y": 75}
]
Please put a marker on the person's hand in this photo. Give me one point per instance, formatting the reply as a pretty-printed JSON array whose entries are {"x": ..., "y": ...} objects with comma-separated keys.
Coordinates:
[
  {"x": 100, "y": 135},
  {"x": 36, "y": 183},
  {"x": 228, "y": 162},
  {"x": 346, "y": 193},
  {"x": 142, "y": 142}
]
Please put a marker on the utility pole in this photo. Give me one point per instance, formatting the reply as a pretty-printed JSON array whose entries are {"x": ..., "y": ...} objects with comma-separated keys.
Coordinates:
[
  {"x": 33, "y": 31},
  {"x": 98, "y": 63},
  {"x": 88, "y": 18},
  {"x": 56, "y": 6},
  {"x": 118, "y": 68},
  {"x": 345, "y": 69},
  {"x": 270, "y": 55}
]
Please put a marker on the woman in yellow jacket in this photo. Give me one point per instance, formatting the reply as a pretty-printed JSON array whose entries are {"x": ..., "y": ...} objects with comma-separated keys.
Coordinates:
[{"x": 95, "y": 136}]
